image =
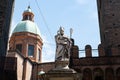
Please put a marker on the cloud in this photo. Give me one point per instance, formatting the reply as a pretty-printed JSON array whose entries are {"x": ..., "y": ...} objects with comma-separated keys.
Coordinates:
[{"x": 48, "y": 51}]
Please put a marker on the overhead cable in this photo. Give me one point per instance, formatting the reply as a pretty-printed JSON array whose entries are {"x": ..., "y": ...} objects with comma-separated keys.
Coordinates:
[{"x": 44, "y": 19}]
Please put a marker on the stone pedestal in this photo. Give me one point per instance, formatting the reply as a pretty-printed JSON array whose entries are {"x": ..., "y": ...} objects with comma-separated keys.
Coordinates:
[
  {"x": 61, "y": 76},
  {"x": 59, "y": 65},
  {"x": 61, "y": 72}
]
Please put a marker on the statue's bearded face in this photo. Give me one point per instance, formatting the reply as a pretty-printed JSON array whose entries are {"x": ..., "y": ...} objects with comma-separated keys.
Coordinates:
[{"x": 62, "y": 32}]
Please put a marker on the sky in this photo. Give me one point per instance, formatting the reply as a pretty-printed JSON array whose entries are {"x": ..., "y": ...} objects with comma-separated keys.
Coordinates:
[{"x": 80, "y": 15}]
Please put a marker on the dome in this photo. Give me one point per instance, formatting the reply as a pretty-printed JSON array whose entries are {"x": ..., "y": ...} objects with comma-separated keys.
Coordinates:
[{"x": 27, "y": 26}]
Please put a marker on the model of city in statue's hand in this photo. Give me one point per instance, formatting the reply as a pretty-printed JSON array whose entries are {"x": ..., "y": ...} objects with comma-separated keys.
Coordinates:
[{"x": 63, "y": 45}]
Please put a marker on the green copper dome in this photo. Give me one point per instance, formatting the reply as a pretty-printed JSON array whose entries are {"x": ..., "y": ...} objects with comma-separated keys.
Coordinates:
[{"x": 27, "y": 26}]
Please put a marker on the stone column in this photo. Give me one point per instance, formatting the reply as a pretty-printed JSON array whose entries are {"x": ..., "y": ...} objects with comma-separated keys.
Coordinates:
[{"x": 25, "y": 48}]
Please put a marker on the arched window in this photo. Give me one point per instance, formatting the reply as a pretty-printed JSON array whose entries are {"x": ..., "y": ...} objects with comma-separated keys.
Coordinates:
[
  {"x": 87, "y": 74},
  {"x": 39, "y": 54},
  {"x": 19, "y": 47},
  {"x": 25, "y": 17},
  {"x": 109, "y": 74},
  {"x": 98, "y": 74},
  {"x": 31, "y": 50},
  {"x": 30, "y": 18}
]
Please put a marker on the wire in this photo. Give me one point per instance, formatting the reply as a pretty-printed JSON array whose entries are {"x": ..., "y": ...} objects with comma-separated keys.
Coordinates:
[
  {"x": 92, "y": 50},
  {"x": 44, "y": 19}
]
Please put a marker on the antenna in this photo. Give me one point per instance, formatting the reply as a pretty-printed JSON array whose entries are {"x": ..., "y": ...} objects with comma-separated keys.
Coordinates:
[{"x": 71, "y": 31}]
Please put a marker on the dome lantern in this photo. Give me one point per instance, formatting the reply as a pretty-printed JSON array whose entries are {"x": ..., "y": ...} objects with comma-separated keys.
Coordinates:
[{"x": 28, "y": 14}]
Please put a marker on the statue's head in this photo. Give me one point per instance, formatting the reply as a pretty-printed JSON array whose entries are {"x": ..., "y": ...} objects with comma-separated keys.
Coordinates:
[{"x": 61, "y": 30}]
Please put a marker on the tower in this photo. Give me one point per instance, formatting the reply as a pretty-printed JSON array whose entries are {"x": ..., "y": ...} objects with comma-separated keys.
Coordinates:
[
  {"x": 109, "y": 22},
  {"x": 26, "y": 38},
  {"x": 6, "y": 10}
]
